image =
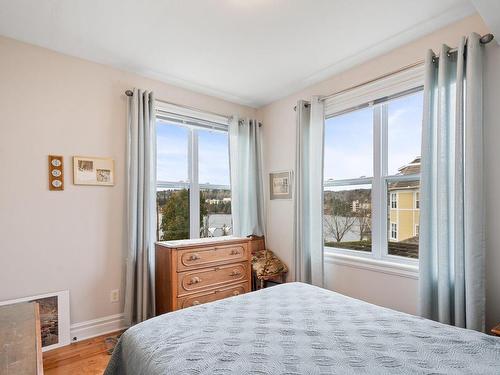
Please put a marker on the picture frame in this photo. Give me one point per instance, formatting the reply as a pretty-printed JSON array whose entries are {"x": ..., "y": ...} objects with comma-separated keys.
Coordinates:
[
  {"x": 91, "y": 170},
  {"x": 281, "y": 185},
  {"x": 54, "y": 317}
]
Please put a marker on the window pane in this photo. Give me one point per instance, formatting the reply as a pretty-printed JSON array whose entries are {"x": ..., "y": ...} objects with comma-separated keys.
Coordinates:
[
  {"x": 403, "y": 218},
  {"x": 213, "y": 157},
  {"x": 172, "y": 152},
  {"x": 404, "y": 131},
  {"x": 215, "y": 213},
  {"x": 349, "y": 145},
  {"x": 347, "y": 217},
  {"x": 172, "y": 206}
]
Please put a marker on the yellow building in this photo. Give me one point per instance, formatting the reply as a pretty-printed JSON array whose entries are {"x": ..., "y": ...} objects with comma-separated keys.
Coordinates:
[{"x": 404, "y": 206}]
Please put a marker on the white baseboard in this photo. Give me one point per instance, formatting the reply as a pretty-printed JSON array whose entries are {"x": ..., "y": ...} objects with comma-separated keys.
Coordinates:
[{"x": 96, "y": 327}]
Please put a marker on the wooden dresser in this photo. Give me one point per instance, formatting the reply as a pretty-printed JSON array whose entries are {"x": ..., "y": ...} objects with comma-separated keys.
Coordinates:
[{"x": 192, "y": 272}]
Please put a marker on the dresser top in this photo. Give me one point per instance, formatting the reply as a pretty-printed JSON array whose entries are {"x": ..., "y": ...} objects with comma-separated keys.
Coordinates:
[
  {"x": 18, "y": 338},
  {"x": 201, "y": 241}
]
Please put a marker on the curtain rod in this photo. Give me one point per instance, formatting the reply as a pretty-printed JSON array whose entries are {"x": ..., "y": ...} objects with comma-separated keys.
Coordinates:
[
  {"x": 131, "y": 93},
  {"x": 485, "y": 39},
  {"x": 229, "y": 118}
]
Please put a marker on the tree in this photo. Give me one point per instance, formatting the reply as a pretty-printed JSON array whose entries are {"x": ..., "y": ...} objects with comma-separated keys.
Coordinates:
[
  {"x": 175, "y": 215},
  {"x": 338, "y": 226},
  {"x": 364, "y": 221},
  {"x": 338, "y": 218}
]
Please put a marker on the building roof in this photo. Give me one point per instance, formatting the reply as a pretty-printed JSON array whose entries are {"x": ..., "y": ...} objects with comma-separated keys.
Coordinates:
[{"x": 411, "y": 168}]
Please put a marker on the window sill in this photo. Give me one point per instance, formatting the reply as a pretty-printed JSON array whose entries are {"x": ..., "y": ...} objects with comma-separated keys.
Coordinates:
[{"x": 375, "y": 265}]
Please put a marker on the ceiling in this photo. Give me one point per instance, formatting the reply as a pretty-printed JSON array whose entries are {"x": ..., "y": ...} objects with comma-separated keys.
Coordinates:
[{"x": 250, "y": 52}]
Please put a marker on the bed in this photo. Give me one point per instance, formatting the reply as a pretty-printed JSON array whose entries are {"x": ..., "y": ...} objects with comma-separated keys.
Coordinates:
[{"x": 297, "y": 329}]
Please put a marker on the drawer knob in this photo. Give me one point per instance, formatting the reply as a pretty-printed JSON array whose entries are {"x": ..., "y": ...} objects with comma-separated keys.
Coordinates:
[
  {"x": 194, "y": 280},
  {"x": 235, "y": 273},
  {"x": 194, "y": 257},
  {"x": 236, "y": 293},
  {"x": 235, "y": 252},
  {"x": 196, "y": 303}
]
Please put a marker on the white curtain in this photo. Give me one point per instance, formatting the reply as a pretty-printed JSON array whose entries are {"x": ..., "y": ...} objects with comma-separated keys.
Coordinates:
[
  {"x": 247, "y": 198},
  {"x": 308, "y": 199},
  {"x": 141, "y": 207},
  {"x": 452, "y": 243}
]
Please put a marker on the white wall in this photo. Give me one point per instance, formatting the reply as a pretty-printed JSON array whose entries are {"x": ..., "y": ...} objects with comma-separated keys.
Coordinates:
[
  {"x": 55, "y": 104},
  {"x": 279, "y": 154},
  {"x": 374, "y": 286}
]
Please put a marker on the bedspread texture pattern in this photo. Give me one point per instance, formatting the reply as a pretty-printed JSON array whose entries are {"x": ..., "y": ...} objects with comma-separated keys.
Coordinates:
[{"x": 297, "y": 329}]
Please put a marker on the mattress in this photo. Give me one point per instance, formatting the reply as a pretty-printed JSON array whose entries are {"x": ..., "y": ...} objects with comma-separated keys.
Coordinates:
[{"x": 294, "y": 329}]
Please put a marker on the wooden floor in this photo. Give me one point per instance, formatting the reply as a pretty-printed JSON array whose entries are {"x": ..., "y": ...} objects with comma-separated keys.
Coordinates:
[{"x": 87, "y": 357}]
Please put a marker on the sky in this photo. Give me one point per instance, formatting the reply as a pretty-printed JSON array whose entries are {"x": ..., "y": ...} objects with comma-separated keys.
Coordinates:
[
  {"x": 348, "y": 145},
  {"x": 349, "y": 139},
  {"x": 172, "y": 151}
]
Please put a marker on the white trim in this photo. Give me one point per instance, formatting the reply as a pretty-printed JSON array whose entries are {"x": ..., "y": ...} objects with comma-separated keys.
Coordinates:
[
  {"x": 350, "y": 181},
  {"x": 391, "y": 268},
  {"x": 399, "y": 178},
  {"x": 377, "y": 193},
  {"x": 97, "y": 327},
  {"x": 185, "y": 185},
  {"x": 194, "y": 191},
  {"x": 367, "y": 94},
  {"x": 192, "y": 113}
]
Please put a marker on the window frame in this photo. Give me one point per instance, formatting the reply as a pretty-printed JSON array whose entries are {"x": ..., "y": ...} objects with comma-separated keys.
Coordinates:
[
  {"x": 377, "y": 95},
  {"x": 194, "y": 121}
]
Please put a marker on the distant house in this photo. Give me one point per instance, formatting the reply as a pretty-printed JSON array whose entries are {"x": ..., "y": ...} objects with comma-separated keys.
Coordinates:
[
  {"x": 356, "y": 205},
  {"x": 213, "y": 201},
  {"x": 404, "y": 205}
]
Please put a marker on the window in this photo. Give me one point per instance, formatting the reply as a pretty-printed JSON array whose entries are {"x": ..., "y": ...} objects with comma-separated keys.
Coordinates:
[
  {"x": 417, "y": 229},
  {"x": 193, "y": 189},
  {"x": 394, "y": 200},
  {"x": 348, "y": 181},
  {"x": 394, "y": 231},
  {"x": 372, "y": 177}
]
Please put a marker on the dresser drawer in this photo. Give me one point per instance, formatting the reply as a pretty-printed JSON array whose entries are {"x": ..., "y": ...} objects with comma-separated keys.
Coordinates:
[
  {"x": 212, "y": 295},
  {"x": 192, "y": 281},
  {"x": 208, "y": 256}
]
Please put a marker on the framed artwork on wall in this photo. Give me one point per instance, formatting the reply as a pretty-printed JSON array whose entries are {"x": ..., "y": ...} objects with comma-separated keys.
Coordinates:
[
  {"x": 93, "y": 171},
  {"x": 280, "y": 185},
  {"x": 54, "y": 317}
]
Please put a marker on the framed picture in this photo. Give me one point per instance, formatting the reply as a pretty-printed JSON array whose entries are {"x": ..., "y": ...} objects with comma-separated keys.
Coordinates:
[
  {"x": 280, "y": 185},
  {"x": 93, "y": 171},
  {"x": 54, "y": 317}
]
